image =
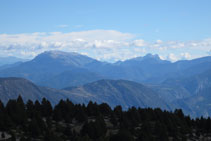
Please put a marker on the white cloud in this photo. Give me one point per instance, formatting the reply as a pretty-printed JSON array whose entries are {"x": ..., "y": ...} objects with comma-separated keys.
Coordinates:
[
  {"x": 139, "y": 43},
  {"x": 175, "y": 57},
  {"x": 29, "y": 45},
  {"x": 100, "y": 44},
  {"x": 161, "y": 57},
  {"x": 185, "y": 56},
  {"x": 172, "y": 57}
]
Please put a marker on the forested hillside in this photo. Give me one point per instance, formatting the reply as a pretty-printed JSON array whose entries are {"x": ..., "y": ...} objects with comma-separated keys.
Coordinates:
[{"x": 93, "y": 122}]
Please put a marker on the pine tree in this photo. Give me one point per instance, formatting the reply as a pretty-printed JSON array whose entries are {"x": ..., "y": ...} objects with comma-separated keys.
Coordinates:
[
  {"x": 30, "y": 109},
  {"x": 105, "y": 109},
  {"x": 46, "y": 108}
]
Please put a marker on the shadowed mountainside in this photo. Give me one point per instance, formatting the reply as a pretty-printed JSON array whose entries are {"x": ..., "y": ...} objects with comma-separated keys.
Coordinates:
[
  {"x": 121, "y": 92},
  {"x": 113, "y": 92}
]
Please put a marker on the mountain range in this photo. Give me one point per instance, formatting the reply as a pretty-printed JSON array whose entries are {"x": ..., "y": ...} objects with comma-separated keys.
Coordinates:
[
  {"x": 10, "y": 60},
  {"x": 115, "y": 92},
  {"x": 51, "y": 65},
  {"x": 183, "y": 84}
]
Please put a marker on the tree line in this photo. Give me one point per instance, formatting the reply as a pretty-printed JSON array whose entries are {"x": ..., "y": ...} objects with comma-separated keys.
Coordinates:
[{"x": 96, "y": 122}]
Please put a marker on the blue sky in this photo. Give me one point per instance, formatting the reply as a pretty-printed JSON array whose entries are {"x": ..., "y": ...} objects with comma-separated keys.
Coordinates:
[{"x": 118, "y": 29}]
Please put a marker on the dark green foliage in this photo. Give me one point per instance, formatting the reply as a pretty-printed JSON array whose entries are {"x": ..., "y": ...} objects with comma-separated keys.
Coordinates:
[
  {"x": 50, "y": 136},
  {"x": 113, "y": 119},
  {"x": 33, "y": 128},
  {"x": 105, "y": 109},
  {"x": 37, "y": 107},
  {"x": 81, "y": 116},
  {"x": 76, "y": 122},
  {"x": 46, "y": 108},
  {"x": 30, "y": 109},
  {"x": 118, "y": 111},
  {"x": 122, "y": 135},
  {"x": 24, "y": 139},
  {"x": 2, "y": 135},
  {"x": 2, "y": 117},
  {"x": 13, "y": 138},
  {"x": 92, "y": 109},
  {"x": 16, "y": 111},
  {"x": 83, "y": 138},
  {"x": 64, "y": 111},
  {"x": 161, "y": 131},
  {"x": 68, "y": 131},
  {"x": 95, "y": 129}
]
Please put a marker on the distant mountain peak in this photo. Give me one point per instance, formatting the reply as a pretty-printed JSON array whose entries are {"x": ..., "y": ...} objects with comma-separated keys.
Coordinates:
[
  {"x": 56, "y": 53},
  {"x": 63, "y": 58},
  {"x": 147, "y": 57}
]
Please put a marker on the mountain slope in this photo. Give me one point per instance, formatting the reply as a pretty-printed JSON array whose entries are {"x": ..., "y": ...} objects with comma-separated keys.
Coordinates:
[
  {"x": 194, "y": 84},
  {"x": 170, "y": 93},
  {"x": 11, "y": 87},
  {"x": 62, "y": 58},
  {"x": 10, "y": 65},
  {"x": 74, "y": 77},
  {"x": 46, "y": 66},
  {"x": 51, "y": 65},
  {"x": 10, "y": 60},
  {"x": 138, "y": 69},
  {"x": 120, "y": 92},
  {"x": 199, "y": 88},
  {"x": 113, "y": 92},
  {"x": 151, "y": 69}
]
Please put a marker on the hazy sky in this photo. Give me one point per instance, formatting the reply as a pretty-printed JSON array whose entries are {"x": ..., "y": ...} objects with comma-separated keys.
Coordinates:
[{"x": 106, "y": 29}]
